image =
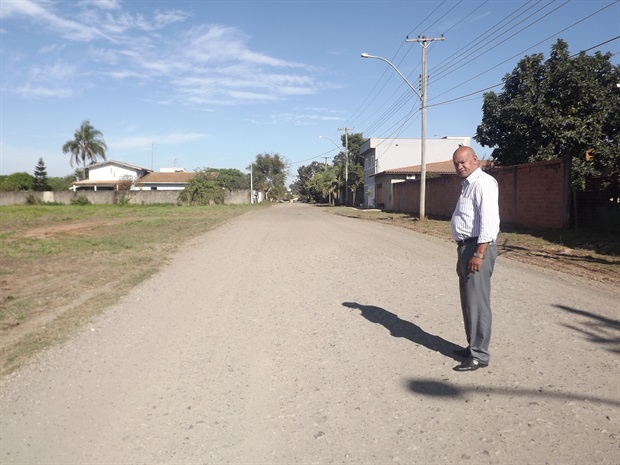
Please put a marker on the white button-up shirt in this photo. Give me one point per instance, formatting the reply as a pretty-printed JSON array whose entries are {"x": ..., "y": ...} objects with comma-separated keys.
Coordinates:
[{"x": 477, "y": 210}]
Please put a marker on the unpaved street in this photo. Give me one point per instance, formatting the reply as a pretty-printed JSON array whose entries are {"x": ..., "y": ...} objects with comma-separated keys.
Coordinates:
[{"x": 293, "y": 336}]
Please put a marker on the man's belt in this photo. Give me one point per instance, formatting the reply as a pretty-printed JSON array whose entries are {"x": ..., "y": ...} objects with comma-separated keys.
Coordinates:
[{"x": 467, "y": 241}]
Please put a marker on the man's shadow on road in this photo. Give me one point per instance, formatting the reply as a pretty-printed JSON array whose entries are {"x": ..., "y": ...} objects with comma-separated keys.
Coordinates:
[{"x": 405, "y": 329}]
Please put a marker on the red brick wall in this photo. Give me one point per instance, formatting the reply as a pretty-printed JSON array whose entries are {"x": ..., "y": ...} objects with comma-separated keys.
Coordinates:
[{"x": 533, "y": 195}]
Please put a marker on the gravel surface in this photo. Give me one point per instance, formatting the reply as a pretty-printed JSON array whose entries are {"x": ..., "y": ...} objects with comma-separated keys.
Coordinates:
[{"x": 293, "y": 336}]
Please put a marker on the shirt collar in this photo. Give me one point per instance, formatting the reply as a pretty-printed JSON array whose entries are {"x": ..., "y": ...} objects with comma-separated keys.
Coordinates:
[{"x": 472, "y": 177}]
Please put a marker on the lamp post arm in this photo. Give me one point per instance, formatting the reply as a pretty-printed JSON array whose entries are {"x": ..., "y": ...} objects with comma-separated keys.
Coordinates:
[
  {"x": 337, "y": 146},
  {"x": 366, "y": 55}
]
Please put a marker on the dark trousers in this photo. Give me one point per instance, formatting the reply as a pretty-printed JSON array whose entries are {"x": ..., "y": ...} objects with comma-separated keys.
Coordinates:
[{"x": 475, "y": 289}]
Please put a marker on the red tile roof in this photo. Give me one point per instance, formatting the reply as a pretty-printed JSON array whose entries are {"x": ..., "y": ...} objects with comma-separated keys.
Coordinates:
[
  {"x": 157, "y": 177},
  {"x": 441, "y": 167}
]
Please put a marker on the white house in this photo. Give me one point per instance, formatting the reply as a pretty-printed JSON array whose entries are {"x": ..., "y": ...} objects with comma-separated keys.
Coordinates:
[
  {"x": 381, "y": 155},
  {"x": 109, "y": 175}
]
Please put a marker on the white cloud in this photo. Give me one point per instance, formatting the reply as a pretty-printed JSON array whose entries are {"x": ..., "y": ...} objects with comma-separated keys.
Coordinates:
[
  {"x": 102, "y": 4},
  {"x": 41, "y": 12},
  {"x": 163, "y": 18},
  {"x": 58, "y": 71},
  {"x": 31, "y": 91},
  {"x": 208, "y": 64}
]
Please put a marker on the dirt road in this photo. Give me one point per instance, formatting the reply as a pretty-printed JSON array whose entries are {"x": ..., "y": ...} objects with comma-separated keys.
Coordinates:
[{"x": 293, "y": 336}]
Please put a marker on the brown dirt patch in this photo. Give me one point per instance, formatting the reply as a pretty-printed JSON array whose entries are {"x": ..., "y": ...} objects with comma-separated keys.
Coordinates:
[{"x": 74, "y": 227}]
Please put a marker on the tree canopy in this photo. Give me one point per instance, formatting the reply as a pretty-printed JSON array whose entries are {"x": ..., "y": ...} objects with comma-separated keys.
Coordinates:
[
  {"x": 87, "y": 143},
  {"x": 20, "y": 181},
  {"x": 202, "y": 189},
  {"x": 269, "y": 175},
  {"x": 321, "y": 183},
  {"x": 564, "y": 107},
  {"x": 304, "y": 174},
  {"x": 209, "y": 185}
]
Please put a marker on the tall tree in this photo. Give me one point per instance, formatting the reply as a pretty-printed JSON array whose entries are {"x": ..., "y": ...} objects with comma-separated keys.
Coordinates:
[
  {"x": 87, "y": 143},
  {"x": 327, "y": 182},
  {"x": 269, "y": 174},
  {"x": 40, "y": 177},
  {"x": 356, "y": 164},
  {"x": 563, "y": 107},
  {"x": 304, "y": 174}
]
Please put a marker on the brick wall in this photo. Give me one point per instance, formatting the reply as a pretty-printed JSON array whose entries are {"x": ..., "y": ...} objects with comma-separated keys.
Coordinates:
[{"x": 532, "y": 195}]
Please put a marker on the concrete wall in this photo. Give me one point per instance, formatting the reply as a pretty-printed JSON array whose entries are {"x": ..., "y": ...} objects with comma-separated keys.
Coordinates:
[
  {"x": 532, "y": 195},
  {"x": 109, "y": 197}
]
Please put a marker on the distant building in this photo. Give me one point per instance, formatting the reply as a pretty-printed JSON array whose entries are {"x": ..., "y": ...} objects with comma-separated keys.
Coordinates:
[
  {"x": 386, "y": 154},
  {"x": 385, "y": 180},
  {"x": 165, "y": 180},
  {"x": 109, "y": 176}
]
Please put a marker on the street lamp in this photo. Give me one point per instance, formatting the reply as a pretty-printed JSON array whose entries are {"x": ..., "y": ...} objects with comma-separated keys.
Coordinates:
[
  {"x": 346, "y": 167},
  {"x": 323, "y": 137},
  {"x": 422, "y": 97}
]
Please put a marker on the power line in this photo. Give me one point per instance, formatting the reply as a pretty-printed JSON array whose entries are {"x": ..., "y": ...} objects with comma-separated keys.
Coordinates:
[
  {"x": 440, "y": 77},
  {"x": 497, "y": 85},
  {"x": 529, "y": 48},
  {"x": 398, "y": 100}
]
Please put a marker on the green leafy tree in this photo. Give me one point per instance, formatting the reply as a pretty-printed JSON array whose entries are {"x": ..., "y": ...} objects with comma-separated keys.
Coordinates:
[
  {"x": 21, "y": 181},
  {"x": 563, "y": 107},
  {"x": 203, "y": 189},
  {"x": 355, "y": 165},
  {"x": 327, "y": 182},
  {"x": 304, "y": 174},
  {"x": 232, "y": 179},
  {"x": 87, "y": 144},
  {"x": 40, "y": 182},
  {"x": 60, "y": 183},
  {"x": 269, "y": 174}
]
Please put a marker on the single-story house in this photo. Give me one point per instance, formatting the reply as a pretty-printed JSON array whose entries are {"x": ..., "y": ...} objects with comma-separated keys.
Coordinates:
[
  {"x": 386, "y": 154},
  {"x": 385, "y": 180},
  {"x": 164, "y": 181},
  {"x": 109, "y": 175}
]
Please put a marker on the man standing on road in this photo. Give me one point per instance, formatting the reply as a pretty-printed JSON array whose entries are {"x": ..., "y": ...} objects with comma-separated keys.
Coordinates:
[{"x": 475, "y": 225}]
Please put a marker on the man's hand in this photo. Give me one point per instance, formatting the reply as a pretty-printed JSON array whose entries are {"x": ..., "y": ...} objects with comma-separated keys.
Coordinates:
[{"x": 475, "y": 264}]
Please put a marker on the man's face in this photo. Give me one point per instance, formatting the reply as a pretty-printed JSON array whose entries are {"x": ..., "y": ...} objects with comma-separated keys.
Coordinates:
[{"x": 465, "y": 162}]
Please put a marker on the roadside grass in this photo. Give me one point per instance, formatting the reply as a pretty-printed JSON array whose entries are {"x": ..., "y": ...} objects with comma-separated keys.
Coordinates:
[{"x": 62, "y": 264}]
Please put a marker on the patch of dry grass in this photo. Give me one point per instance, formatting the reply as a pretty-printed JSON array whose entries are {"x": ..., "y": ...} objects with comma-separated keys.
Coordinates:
[{"x": 60, "y": 265}]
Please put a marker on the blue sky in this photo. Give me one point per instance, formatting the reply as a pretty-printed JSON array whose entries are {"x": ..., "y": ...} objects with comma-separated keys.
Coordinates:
[{"x": 197, "y": 84}]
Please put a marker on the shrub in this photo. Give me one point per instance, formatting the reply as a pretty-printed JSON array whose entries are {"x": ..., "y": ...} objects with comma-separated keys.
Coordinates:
[{"x": 80, "y": 200}]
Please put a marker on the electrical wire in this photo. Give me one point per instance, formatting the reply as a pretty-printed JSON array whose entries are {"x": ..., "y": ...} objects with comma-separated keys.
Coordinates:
[{"x": 398, "y": 100}]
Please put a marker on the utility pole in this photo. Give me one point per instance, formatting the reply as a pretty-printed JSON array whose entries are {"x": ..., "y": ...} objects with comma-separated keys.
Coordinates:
[
  {"x": 251, "y": 184},
  {"x": 346, "y": 163},
  {"x": 424, "y": 41}
]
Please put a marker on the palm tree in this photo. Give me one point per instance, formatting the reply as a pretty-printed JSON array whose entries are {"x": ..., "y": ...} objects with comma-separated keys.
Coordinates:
[{"x": 87, "y": 143}]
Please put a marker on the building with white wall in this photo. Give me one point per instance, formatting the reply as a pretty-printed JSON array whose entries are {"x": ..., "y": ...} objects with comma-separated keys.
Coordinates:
[
  {"x": 108, "y": 175},
  {"x": 386, "y": 154}
]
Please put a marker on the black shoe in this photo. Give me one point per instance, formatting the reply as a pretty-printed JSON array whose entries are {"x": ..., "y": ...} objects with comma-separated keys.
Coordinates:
[
  {"x": 465, "y": 353},
  {"x": 471, "y": 364}
]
